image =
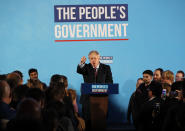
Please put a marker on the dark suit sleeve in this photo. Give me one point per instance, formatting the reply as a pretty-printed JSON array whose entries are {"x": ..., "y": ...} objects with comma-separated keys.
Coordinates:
[
  {"x": 109, "y": 75},
  {"x": 82, "y": 70}
]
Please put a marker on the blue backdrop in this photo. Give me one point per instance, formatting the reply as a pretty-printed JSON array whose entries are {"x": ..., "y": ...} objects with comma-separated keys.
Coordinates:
[{"x": 156, "y": 30}]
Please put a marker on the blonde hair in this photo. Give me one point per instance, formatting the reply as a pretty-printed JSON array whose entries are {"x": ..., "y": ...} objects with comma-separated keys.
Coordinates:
[
  {"x": 93, "y": 51},
  {"x": 168, "y": 75}
]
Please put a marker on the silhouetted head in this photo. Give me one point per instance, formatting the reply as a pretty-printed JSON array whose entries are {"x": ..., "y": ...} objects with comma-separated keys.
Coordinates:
[{"x": 28, "y": 109}]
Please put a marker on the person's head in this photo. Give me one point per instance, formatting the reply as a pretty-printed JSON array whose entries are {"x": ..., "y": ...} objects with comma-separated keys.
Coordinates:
[
  {"x": 72, "y": 94},
  {"x": 58, "y": 87},
  {"x": 155, "y": 89},
  {"x": 65, "y": 81},
  {"x": 147, "y": 76},
  {"x": 33, "y": 73},
  {"x": 20, "y": 74},
  {"x": 139, "y": 82},
  {"x": 55, "y": 79},
  {"x": 19, "y": 92},
  {"x": 158, "y": 75},
  {"x": 5, "y": 92},
  {"x": 28, "y": 109},
  {"x": 168, "y": 77},
  {"x": 179, "y": 75},
  {"x": 37, "y": 94},
  {"x": 14, "y": 80},
  {"x": 94, "y": 58}
]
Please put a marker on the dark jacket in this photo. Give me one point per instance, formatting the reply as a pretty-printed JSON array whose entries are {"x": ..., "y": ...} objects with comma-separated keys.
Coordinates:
[
  {"x": 6, "y": 112},
  {"x": 132, "y": 109},
  {"x": 149, "y": 116},
  {"x": 175, "y": 118},
  {"x": 104, "y": 74}
]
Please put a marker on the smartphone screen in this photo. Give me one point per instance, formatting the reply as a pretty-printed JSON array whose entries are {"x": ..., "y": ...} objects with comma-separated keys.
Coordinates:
[{"x": 164, "y": 92}]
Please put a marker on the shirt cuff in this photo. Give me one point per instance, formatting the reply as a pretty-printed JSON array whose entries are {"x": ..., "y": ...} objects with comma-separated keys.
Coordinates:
[{"x": 81, "y": 65}]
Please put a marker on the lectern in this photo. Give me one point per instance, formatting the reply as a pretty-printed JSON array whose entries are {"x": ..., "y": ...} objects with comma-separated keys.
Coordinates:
[{"x": 99, "y": 102}]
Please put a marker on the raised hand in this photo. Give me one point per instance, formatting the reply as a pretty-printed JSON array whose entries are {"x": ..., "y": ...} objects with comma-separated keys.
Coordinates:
[{"x": 83, "y": 60}]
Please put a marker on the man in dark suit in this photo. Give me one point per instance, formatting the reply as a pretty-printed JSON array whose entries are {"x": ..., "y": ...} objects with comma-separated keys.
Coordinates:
[
  {"x": 104, "y": 74},
  {"x": 94, "y": 72}
]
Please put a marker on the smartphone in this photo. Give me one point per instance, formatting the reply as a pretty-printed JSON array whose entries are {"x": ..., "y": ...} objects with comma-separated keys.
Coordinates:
[{"x": 164, "y": 92}]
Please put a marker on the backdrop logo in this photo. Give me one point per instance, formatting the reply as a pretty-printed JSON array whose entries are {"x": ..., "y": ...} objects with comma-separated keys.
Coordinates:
[
  {"x": 106, "y": 59},
  {"x": 90, "y": 22}
]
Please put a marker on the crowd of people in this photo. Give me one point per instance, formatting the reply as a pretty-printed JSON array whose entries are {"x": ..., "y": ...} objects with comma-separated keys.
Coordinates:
[
  {"x": 158, "y": 104},
  {"x": 34, "y": 106}
]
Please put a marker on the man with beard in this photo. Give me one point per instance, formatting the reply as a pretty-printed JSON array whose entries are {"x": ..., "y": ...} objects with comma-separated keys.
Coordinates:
[{"x": 34, "y": 81}]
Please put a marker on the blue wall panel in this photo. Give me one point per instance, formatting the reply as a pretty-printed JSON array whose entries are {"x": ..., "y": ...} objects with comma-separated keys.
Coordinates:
[{"x": 155, "y": 31}]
